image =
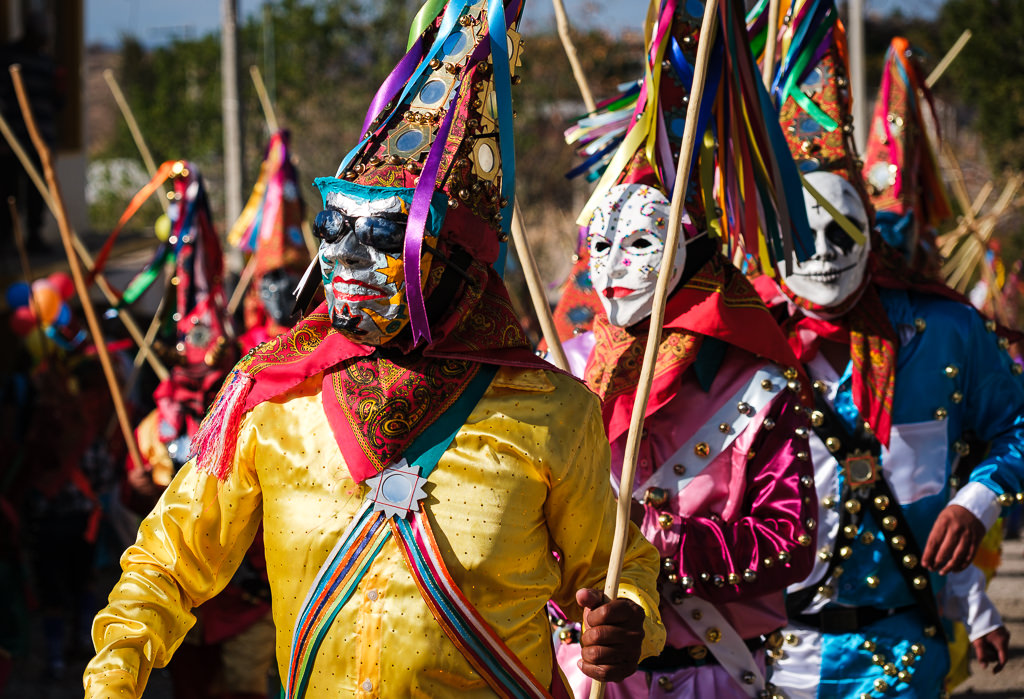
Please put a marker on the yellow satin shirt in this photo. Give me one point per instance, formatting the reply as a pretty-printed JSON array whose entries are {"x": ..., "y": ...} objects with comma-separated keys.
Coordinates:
[{"x": 526, "y": 475}]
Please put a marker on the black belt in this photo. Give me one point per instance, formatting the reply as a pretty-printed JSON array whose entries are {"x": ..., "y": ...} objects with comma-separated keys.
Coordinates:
[
  {"x": 672, "y": 659},
  {"x": 840, "y": 620}
]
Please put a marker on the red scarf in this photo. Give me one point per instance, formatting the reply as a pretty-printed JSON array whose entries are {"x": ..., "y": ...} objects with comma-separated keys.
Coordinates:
[
  {"x": 375, "y": 403},
  {"x": 717, "y": 302},
  {"x": 861, "y": 323}
]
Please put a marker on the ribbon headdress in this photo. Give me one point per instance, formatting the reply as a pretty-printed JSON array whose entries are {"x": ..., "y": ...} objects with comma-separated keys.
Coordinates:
[
  {"x": 810, "y": 83},
  {"x": 269, "y": 228},
  {"x": 901, "y": 167},
  {"x": 738, "y": 192}
]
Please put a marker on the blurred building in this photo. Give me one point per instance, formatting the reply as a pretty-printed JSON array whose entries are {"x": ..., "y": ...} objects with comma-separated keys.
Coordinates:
[{"x": 61, "y": 25}]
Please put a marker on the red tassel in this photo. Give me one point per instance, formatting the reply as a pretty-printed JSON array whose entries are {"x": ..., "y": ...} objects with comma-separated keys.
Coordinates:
[{"x": 214, "y": 442}]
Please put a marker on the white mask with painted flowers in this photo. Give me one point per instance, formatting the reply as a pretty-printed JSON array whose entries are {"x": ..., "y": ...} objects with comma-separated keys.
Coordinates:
[{"x": 627, "y": 248}]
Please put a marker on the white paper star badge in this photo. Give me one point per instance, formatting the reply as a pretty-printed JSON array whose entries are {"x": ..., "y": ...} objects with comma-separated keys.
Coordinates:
[{"x": 397, "y": 490}]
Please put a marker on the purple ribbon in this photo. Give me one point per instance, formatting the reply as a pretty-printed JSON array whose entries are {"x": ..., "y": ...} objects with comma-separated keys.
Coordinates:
[{"x": 394, "y": 84}]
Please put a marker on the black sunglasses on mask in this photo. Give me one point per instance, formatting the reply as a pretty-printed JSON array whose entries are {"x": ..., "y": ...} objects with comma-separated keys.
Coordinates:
[{"x": 382, "y": 232}]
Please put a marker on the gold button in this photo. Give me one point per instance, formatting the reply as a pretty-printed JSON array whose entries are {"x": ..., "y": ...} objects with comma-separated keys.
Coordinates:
[
  {"x": 869, "y": 646},
  {"x": 665, "y": 683},
  {"x": 679, "y": 469},
  {"x": 889, "y": 523},
  {"x": 882, "y": 502},
  {"x": 656, "y": 497},
  {"x": 803, "y": 455},
  {"x": 833, "y": 444},
  {"x": 702, "y": 449},
  {"x": 990, "y": 325},
  {"x": 930, "y": 631},
  {"x": 784, "y": 556},
  {"x": 962, "y": 448},
  {"x": 1004, "y": 343},
  {"x": 825, "y": 554},
  {"x": 910, "y": 561},
  {"x": 749, "y": 576},
  {"x": 696, "y": 615},
  {"x": 849, "y": 531},
  {"x": 920, "y": 582},
  {"x": 903, "y": 676},
  {"x": 1017, "y": 368},
  {"x": 697, "y": 653},
  {"x": 845, "y": 552},
  {"x": 941, "y": 414},
  {"x": 898, "y": 542},
  {"x": 881, "y": 686},
  {"x": 804, "y": 540},
  {"x": 826, "y": 591},
  {"x": 724, "y": 428},
  {"x": 806, "y": 481},
  {"x": 872, "y": 581},
  {"x": 920, "y": 324},
  {"x": 819, "y": 386},
  {"x": 792, "y": 639},
  {"x": 890, "y": 670},
  {"x": 665, "y": 520},
  {"x": 734, "y": 578},
  {"x": 817, "y": 418},
  {"x": 852, "y": 506},
  {"x": 766, "y": 384},
  {"x": 828, "y": 502},
  {"x": 744, "y": 408},
  {"x": 768, "y": 424},
  {"x": 867, "y": 538},
  {"x": 951, "y": 371},
  {"x": 749, "y": 677},
  {"x": 793, "y": 386},
  {"x": 790, "y": 373},
  {"x": 957, "y": 397},
  {"x": 917, "y": 649},
  {"x": 878, "y": 659},
  {"x": 667, "y": 564},
  {"x": 713, "y": 635},
  {"x": 1005, "y": 499},
  {"x": 801, "y": 432}
]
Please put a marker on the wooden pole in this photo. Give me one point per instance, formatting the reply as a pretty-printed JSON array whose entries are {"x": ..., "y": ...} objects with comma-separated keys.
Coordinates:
[
  {"x": 771, "y": 44},
  {"x": 136, "y": 132},
  {"x": 76, "y": 271},
  {"x": 83, "y": 253},
  {"x": 533, "y": 283},
  {"x": 243, "y": 284},
  {"x": 562, "y": 22},
  {"x": 268, "y": 106},
  {"x": 231, "y": 110},
  {"x": 950, "y": 56},
  {"x": 858, "y": 73},
  {"x": 643, "y": 391}
]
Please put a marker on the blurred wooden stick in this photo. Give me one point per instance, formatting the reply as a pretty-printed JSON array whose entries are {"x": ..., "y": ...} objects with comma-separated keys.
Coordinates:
[
  {"x": 562, "y": 21},
  {"x": 771, "y": 43},
  {"x": 76, "y": 271},
  {"x": 537, "y": 295},
  {"x": 950, "y": 56},
  {"x": 133, "y": 127},
  {"x": 101, "y": 281}
]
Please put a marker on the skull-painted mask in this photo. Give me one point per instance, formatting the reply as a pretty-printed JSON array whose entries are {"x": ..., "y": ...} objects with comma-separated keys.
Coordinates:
[
  {"x": 361, "y": 263},
  {"x": 627, "y": 246},
  {"x": 836, "y": 269}
]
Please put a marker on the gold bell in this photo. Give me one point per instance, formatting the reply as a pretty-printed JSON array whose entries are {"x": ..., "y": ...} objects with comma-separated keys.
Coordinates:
[
  {"x": 881, "y": 502},
  {"x": 665, "y": 520},
  {"x": 817, "y": 418},
  {"x": 833, "y": 444},
  {"x": 702, "y": 449}
]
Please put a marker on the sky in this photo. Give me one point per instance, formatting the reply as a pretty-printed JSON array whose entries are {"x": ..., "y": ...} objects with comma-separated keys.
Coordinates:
[{"x": 154, "y": 22}]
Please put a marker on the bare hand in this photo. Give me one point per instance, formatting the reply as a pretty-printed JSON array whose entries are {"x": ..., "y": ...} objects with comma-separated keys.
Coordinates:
[
  {"x": 614, "y": 632},
  {"x": 993, "y": 647},
  {"x": 141, "y": 481},
  {"x": 953, "y": 542}
]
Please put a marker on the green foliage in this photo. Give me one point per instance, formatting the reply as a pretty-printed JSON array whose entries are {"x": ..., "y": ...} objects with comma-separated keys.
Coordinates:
[{"x": 988, "y": 77}]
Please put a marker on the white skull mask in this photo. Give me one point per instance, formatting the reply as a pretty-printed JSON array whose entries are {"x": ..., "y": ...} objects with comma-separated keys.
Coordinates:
[
  {"x": 627, "y": 246},
  {"x": 836, "y": 269},
  {"x": 361, "y": 263}
]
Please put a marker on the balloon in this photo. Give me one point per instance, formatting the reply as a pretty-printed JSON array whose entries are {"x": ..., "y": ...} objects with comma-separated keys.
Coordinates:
[
  {"x": 22, "y": 321},
  {"x": 163, "y": 228},
  {"x": 63, "y": 316},
  {"x": 47, "y": 300},
  {"x": 62, "y": 282},
  {"x": 17, "y": 294}
]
